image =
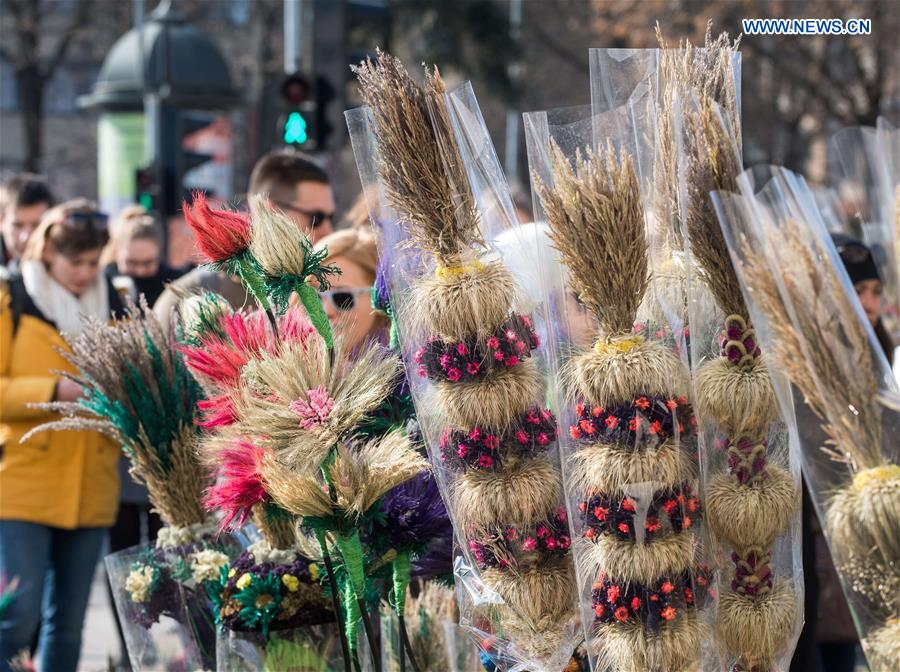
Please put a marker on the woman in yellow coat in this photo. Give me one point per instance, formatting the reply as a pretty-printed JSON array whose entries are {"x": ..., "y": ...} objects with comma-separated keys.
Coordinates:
[{"x": 58, "y": 490}]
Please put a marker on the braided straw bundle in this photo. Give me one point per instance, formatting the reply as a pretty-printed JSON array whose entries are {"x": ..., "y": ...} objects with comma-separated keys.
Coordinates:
[
  {"x": 751, "y": 505},
  {"x": 823, "y": 347},
  {"x": 465, "y": 300},
  {"x": 597, "y": 223}
]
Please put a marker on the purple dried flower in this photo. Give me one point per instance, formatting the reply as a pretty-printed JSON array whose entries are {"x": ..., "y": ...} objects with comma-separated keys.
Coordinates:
[{"x": 414, "y": 514}]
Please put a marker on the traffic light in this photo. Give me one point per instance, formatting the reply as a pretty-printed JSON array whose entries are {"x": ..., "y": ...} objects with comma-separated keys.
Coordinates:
[
  {"x": 295, "y": 129},
  {"x": 325, "y": 93},
  {"x": 304, "y": 122},
  {"x": 146, "y": 189},
  {"x": 294, "y": 123}
]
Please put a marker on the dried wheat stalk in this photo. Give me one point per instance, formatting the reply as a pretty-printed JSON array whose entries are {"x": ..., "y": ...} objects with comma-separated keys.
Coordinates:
[
  {"x": 419, "y": 161},
  {"x": 597, "y": 224}
]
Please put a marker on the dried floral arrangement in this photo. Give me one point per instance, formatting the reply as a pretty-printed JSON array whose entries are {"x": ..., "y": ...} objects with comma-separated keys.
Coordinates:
[
  {"x": 481, "y": 390},
  {"x": 818, "y": 337},
  {"x": 751, "y": 498},
  {"x": 631, "y": 469},
  {"x": 138, "y": 391},
  {"x": 304, "y": 443}
]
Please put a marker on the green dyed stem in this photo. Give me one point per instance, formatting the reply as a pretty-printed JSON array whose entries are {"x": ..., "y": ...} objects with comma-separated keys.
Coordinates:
[
  {"x": 352, "y": 553},
  {"x": 313, "y": 305},
  {"x": 251, "y": 278},
  {"x": 401, "y": 573},
  {"x": 352, "y": 622}
]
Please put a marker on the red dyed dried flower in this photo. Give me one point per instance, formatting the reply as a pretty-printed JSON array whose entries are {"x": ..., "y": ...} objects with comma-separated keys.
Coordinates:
[{"x": 220, "y": 235}]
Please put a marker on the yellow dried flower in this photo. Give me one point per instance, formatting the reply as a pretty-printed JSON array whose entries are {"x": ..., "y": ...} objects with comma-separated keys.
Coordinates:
[
  {"x": 244, "y": 581},
  {"x": 291, "y": 582}
]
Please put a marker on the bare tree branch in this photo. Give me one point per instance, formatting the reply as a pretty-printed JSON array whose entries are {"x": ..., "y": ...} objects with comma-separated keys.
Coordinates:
[
  {"x": 75, "y": 25},
  {"x": 552, "y": 44}
]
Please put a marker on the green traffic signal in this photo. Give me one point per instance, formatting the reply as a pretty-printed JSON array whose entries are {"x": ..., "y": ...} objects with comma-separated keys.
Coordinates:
[
  {"x": 146, "y": 201},
  {"x": 295, "y": 129}
]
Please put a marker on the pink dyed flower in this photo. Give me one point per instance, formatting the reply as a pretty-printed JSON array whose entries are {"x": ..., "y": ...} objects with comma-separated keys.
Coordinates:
[
  {"x": 521, "y": 436},
  {"x": 493, "y": 342},
  {"x": 520, "y": 346},
  {"x": 498, "y": 355},
  {"x": 445, "y": 360},
  {"x": 512, "y": 361},
  {"x": 462, "y": 451},
  {"x": 475, "y": 434},
  {"x": 473, "y": 368},
  {"x": 511, "y": 534},
  {"x": 542, "y": 439},
  {"x": 564, "y": 542},
  {"x": 542, "y": 532},
  {"x": 418, "y": 356},
  {"x": 485, "y": 461},
  {"x": 492, "y": 441},
  {"x": 462, "y": 350},
  {"x": 454, "y": 374},
  {"x": 314, "y": 412},
  {"x": 529, "y": 544},
  {"x": 551, "y": 544},
  {"x": 511, "y": 335}
]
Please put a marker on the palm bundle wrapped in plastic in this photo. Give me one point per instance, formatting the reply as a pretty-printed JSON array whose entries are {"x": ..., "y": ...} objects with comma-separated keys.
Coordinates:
[
  {"x": 750, "y": 464},
  {"x": 630, "y": 455},
  {"x": 471, "y": 349},
  {"x": 814, "y": 326}
]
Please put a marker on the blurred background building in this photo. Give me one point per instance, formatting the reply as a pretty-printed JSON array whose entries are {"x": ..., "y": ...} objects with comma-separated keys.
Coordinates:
[{"x": 520, "y": 55}]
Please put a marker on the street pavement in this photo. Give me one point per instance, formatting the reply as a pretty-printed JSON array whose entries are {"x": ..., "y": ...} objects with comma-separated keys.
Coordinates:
[{"x": 100, "y": 643}]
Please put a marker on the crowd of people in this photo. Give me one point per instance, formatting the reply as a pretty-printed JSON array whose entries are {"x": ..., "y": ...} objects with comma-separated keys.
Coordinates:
[{"x": 64, "y": 495}]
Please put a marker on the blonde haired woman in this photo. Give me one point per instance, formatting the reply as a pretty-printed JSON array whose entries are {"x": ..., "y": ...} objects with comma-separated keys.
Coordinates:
[
  {"x": 58, "y": 490},
  {"x": 348, "y": 302},
  {"x": 134, "y": 257}
]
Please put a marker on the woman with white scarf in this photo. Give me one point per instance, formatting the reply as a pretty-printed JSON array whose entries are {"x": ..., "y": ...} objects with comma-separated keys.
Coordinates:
[{"x": 58, "y": 490}]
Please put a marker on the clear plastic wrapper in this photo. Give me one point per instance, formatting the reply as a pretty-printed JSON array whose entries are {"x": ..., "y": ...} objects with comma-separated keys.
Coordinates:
[
  {"x": 749, "y": 450},
  {"x": 474, "y": 361},
  {"x": 627, "y": 429},
  {"x": 811, "y": 322},
  {"x": 432, "y": 623},
  {"x": 310, "y": 649},
  {"x": 156, "y": 621}
]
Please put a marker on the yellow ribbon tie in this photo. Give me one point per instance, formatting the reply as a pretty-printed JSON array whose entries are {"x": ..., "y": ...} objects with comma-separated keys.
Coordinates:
[
  {"x": 622, "y": 345},
  {"x": 449, "y": 272},
  {"x": 876, "y": 475}
]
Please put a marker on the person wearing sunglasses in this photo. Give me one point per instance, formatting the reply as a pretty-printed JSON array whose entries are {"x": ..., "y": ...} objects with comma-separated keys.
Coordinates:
[
  {"x": 58, "y": 490},
  {"x": 294, "y": 183},
  {"x": 299, "y": 187},
  {"x": 348, "y": 303}
]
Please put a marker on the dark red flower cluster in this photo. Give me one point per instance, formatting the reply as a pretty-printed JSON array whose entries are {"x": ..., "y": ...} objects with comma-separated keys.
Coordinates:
[
  {"x": 666, "y": 600},
  {"x": 668, "y": 511},
  {"x": 752, "y": 573},
  {"x": 647, "y": 420},
  {"x": 508, "y": 547},
  {"x": 531, "y": 434},
  {"x": 511, "y": 343}
]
